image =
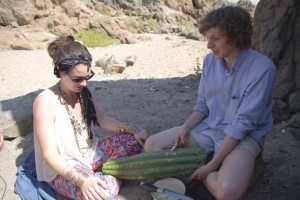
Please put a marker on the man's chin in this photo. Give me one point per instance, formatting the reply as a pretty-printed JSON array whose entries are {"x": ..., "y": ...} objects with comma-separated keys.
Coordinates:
[{"x": 217, "y": 56}]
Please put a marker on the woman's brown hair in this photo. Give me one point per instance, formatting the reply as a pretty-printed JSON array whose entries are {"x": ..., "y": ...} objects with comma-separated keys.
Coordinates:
[{"x": 66, "y": 53}]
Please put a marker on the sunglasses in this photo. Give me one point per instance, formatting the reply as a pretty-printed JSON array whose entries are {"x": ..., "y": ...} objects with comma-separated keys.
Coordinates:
[{"x": 80, "y": 79}]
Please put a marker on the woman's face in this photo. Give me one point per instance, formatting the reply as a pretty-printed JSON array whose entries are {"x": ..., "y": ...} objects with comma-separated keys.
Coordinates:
[{"x": 77, "y": 78}]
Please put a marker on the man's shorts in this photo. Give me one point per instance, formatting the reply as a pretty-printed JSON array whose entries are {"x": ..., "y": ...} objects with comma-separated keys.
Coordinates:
[{"x": 211, "y": 140}]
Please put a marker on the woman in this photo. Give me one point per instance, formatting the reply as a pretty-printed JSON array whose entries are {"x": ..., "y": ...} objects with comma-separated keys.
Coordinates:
[{"x": 68, "y": 154}]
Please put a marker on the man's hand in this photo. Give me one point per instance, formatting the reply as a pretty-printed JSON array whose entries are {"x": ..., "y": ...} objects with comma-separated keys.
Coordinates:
[
  {"x": 202, "y": 172},
  {"x": 182, "y": 135}
]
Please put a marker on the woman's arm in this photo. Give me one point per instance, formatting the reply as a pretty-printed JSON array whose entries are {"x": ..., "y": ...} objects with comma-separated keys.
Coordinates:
[
  {"x": 110, "y": 124},
  {"x": 43, "y": 114}
]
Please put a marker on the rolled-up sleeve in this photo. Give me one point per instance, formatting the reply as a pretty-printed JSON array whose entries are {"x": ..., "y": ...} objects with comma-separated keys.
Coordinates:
[
  {"x": 201, "y": 104},
  {"x": 254, "y": 104}
]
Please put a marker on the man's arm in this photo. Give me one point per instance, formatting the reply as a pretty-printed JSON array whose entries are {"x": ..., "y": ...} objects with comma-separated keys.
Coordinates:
[
  {"x": 193, "y": 120},
  {"x": 184, "y": 130},
  {"x": 226, "y": 147},
  {"x": 253, "y": 106}
]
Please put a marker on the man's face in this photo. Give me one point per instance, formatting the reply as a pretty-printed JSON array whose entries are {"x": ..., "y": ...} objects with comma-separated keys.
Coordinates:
[{"x": 218, "y": 42}]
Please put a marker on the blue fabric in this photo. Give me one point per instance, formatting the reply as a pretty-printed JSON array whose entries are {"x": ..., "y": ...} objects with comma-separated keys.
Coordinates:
[
  {"x": 27, "y": 185},
  {"x": 237, "y": 101}
]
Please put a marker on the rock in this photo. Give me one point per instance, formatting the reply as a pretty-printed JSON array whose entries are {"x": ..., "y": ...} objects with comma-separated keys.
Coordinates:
[
  {"x": 295, "y": 132},
  {"x": 114, "y": 69},
  {"x": 295, "y": 120},
  {"x": 127, "y": 40},
  {"x": 6, "y": 14},
  {"x": 130, "y": 60},
  {"x": 16, "y": 116},
  {"x": 14, "y": 24},
  {"x": 101, "y": 62},
  {"x": 23, "y": 12},
  {"x": 110, "y": 65},
  {"x": 276, "y": 28},
  {"x": 21, "y": 45},
  {"x": 194, "y": 35},
  {"x": 294, "y": 101}
]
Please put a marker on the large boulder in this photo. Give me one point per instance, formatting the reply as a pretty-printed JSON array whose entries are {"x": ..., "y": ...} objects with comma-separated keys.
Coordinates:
[
  {"x": 19, "y": 11},
  {"x": 16, "y": 116},
  {"x": 276, "y": 34}
]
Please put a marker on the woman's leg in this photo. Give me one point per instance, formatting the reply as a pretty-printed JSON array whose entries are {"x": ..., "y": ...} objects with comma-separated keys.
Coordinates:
[
  {"x": 64, "y": 187},
  {"x": 115, "y": 146}
]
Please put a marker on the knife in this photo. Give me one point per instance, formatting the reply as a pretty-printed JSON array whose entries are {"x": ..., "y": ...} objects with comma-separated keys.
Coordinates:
[
  {"x": 174, "y": 146},
  {"x": 169, "y": 193}
]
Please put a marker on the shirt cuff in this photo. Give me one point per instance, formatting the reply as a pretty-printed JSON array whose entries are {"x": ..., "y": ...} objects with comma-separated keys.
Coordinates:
[
  {"x": 202, "y": 109},
  {"x": 235, "y": 131}
]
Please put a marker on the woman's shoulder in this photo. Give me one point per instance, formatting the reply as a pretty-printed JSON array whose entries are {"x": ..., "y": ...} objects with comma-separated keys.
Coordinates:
[{"x": 46, "y": 97}]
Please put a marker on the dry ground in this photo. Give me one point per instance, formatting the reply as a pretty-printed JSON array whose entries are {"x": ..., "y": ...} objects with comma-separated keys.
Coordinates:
[{"x": 158, "y": 92}]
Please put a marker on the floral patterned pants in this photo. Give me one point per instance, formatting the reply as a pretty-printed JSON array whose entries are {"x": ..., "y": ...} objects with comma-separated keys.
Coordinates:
[{"x": 109, "y": 148}]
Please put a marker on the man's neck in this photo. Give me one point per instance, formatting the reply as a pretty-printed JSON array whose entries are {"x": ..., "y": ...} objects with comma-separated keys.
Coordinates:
[{"x": 232, "y": 57}]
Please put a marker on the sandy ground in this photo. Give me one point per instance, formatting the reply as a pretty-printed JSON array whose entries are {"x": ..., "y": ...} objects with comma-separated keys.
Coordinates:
[{"x": 157, "y": 93}]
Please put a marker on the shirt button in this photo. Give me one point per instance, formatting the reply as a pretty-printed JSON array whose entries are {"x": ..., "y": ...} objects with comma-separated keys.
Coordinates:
[{"x": 224, "y": 92}]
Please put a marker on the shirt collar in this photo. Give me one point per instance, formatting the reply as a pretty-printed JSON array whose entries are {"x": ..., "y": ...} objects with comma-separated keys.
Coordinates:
[{"x": 237, "y": 63}]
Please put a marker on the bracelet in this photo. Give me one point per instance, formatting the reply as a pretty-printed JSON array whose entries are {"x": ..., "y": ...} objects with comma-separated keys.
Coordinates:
[
  {"x": 76, "y": 177},
  {"x": 81, "y": 178},
  {"x": 131, "y": 129}
]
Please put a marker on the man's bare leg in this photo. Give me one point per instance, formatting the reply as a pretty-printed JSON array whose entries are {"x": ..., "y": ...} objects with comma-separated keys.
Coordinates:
[
  {"x": 233, "y": 178},
  {"x": 161, "y": 140},
  {"x": 165, "y": 140}
]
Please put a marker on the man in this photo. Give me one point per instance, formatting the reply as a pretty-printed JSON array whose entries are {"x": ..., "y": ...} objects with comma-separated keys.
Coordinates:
[{"x": 233, "y": 112}]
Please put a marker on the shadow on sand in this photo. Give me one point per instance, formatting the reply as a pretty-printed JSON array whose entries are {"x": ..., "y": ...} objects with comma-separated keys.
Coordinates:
[{"x": 154, "y": 104}]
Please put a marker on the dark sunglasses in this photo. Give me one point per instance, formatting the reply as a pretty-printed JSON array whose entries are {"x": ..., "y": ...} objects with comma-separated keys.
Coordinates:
[{"x": 80, "y": 79}]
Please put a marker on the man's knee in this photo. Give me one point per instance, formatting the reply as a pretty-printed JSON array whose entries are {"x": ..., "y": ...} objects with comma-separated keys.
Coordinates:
[
  {"x": 228, "y": 192},
  {"x": 149, "y": 145}
]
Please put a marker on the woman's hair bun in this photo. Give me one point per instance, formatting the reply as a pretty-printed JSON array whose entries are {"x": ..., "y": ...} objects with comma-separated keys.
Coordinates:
[{"x": 70, "y": 37}]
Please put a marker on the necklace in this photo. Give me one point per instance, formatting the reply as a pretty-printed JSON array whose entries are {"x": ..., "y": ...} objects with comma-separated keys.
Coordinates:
[{"x": 79, "y": 126}]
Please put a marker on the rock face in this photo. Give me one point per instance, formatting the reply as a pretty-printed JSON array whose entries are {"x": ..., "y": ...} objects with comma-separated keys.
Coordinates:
[
  {"x": 276, "y": 34},
  {"x": 117, "y": 18}
]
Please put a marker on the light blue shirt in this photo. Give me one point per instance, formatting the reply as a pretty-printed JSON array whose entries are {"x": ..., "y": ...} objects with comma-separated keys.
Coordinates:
[{"x": 239, "y": 101}]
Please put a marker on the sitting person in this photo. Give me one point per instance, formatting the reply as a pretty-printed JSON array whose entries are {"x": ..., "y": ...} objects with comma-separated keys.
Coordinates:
[
  {"x": 68, "y": 154},
  {"x": 1, "y": 141},
  {"x": 233, "y": 112}
]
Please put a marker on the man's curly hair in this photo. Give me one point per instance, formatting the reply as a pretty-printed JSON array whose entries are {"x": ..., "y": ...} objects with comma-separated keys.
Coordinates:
[{"x": 233, "y": 20}]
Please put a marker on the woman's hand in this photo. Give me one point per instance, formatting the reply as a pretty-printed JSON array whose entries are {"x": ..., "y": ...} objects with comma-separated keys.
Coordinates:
[
  {"x": 182, "y": 135},
  {"x": 92, "y": 187},
  {"x": 139, "y": 134},
  {"x": 1, "y": 141}
]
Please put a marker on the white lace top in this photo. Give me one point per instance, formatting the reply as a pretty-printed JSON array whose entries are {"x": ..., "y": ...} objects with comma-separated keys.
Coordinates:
[{"x": 66, "y": 142}]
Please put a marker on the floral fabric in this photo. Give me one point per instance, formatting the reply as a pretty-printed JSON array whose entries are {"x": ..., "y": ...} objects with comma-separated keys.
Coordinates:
[{"x": 112, "y": 147}]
